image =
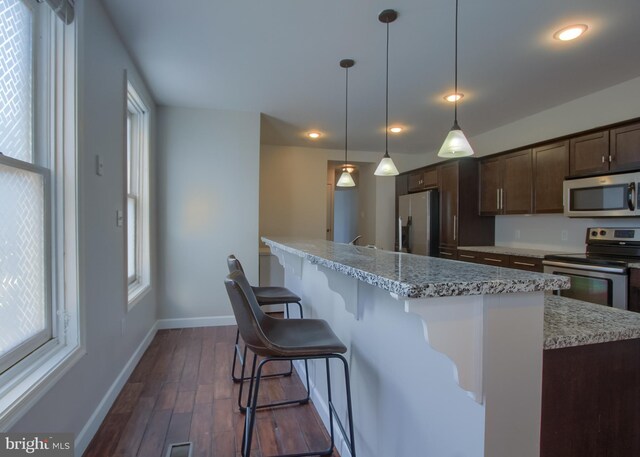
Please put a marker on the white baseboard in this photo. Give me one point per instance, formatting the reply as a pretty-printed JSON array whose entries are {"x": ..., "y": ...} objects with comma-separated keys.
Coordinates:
[
  {"x": 323, "y": 411},
  {"x": 86, "y": 434},
  {"x": 190, "y": 322}
]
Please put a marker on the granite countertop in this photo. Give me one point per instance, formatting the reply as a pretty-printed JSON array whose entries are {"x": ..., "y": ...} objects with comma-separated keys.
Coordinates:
[
  {"x": 634, "y": 265},
  {"x": 569, "y": 322},
  {"x": 533, "y": 253},
  {"x": 415, "y": 276}
]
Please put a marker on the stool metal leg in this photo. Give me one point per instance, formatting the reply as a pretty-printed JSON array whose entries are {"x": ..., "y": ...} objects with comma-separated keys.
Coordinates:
[{"x": 253, "y": 406}]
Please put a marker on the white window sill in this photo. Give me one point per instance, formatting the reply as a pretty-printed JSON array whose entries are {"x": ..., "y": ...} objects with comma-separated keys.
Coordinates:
[
  {"x": 137, "y": 292},
  {"x": 24, "y": 390}
]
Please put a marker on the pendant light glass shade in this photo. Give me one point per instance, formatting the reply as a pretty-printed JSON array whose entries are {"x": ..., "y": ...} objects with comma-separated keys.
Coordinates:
[
  {"x": 456, "y": 143},
  {"x": 346, "y": 180},
  {"x": 386, "y": 167}
]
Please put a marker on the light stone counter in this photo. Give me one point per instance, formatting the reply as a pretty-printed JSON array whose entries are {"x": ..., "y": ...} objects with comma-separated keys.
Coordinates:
[
  {"x": 533, "y": 253},
  {"x": 569, "y": 322},
  {"x": 415, "y": 276}
]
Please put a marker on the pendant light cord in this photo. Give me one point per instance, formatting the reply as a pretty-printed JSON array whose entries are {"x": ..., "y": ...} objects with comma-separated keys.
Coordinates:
[
  {"x": 386, "y": 114},
  {"x": 455, "y": 104},
  {"x": 346, "y": 114}
]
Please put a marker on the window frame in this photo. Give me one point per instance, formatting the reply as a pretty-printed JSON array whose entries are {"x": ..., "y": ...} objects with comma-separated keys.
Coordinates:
[
  {"x": 54, "y": 144},
  {"x": 136, "y": 118}
]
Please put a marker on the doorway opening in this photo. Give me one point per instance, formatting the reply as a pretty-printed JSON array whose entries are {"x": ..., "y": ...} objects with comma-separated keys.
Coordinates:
[{"x": 351, "y": 210}]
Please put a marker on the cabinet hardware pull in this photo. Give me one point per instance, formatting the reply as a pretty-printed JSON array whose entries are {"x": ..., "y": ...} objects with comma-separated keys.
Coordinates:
[
  {"x": 466, "y": 256},
  {"x": 455, "y": 228},
  {"x": 609, "y": 159},
  {"x": 445, "y": 253},
  {"x": 602, "y": 159},
  {"x": 489, "y": 259},
  {"x": 525, "y": 264}
]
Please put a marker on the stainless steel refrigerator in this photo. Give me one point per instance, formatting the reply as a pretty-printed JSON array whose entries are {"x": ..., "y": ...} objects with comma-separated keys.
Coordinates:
[{"x": 418, "y": 223}]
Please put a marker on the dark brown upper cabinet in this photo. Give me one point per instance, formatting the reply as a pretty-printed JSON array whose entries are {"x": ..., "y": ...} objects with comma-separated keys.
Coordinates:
[
  {"x": 550, "y": 167},
  {"x": 460, "y": 224},
  {"x": 589, "y": 154},
  {"x": 625, "y": 148},
  {"x": 506, "y": 184},
  {"x": 423, "y": 179}
]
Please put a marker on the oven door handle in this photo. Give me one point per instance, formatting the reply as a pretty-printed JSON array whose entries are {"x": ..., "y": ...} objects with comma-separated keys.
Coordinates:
[
  {"x": 631, "y": 190},
  {"x": 580, "y": 266}
]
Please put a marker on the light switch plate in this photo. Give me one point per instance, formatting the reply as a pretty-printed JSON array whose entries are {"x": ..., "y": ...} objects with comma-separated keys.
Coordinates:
[{"x": 119, "y": 218}]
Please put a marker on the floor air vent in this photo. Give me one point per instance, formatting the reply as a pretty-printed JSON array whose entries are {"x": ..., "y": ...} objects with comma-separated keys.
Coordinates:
[{"x": 179, "y": 450}]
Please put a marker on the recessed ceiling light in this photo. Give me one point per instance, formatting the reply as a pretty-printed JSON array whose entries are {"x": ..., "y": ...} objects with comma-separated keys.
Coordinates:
[
  {"x": 571, "y": 32},
  {"x": 453, "y": 97},
  {"x": 395, "y": 129},
  {"x": 314, "y": 135}
]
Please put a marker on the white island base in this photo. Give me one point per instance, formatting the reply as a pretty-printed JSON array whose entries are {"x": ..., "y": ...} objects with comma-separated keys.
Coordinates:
[{"x": 456, "y": 376}]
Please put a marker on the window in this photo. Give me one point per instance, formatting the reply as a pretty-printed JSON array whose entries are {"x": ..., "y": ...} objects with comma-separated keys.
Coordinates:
[
  {"x": 39, "y": 330},
  {"x": 138, "y": 263}
]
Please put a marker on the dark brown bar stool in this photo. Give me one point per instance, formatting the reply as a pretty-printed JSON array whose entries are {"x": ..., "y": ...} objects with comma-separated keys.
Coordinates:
[
  {"x": 282, "y": 339},
  {"x": 271, "y": 295}
]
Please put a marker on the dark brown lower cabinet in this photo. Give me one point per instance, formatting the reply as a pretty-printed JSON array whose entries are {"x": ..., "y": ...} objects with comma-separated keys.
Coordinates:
[
  {"x": 591, "y": 401},
  {"x": 634, "y": 290}
]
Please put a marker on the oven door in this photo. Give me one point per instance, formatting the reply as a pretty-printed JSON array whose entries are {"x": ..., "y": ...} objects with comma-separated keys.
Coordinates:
[{"x": 601, "y": 285}]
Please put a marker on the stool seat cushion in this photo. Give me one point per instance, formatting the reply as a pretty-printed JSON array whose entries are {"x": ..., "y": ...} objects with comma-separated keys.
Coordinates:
[
  {"x": 299, "y": 337},
  {"x": 274, "y": 295}
]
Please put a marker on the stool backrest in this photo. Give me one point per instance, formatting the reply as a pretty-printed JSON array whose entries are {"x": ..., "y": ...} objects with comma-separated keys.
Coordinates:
[
  {"x": 249, "y": 315},
  {"x": 234, "y": 264}
]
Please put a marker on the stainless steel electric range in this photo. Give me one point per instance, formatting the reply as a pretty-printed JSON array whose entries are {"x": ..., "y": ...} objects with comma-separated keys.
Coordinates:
[{"x": 601, "y": 275}]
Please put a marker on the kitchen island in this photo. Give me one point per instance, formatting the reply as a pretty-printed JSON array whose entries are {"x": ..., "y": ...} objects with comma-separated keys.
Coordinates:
[
  {"x": 591, "y": 380},
  {"x": 445, "y": 356}
]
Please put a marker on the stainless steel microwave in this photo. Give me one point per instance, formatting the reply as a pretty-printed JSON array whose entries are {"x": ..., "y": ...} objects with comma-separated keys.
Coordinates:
[{"x": 602, "y": 196}]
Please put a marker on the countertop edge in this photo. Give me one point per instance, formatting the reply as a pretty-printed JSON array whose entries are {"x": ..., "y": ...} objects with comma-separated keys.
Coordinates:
[{"x": 434, "y": 289}]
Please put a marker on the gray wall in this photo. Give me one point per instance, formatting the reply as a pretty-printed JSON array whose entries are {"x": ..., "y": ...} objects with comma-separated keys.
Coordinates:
[
  {"x": 103, "y": 290},
  {"x": 209, "y": 180}
]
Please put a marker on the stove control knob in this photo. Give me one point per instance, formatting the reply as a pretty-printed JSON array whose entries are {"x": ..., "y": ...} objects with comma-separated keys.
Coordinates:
[
  {"x": 603, "y": 232},
  {"x": 594, "y": 233}
]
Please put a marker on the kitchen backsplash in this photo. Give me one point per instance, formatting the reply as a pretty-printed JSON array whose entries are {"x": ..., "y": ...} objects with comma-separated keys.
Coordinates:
[{"x": 554, "y": 232}]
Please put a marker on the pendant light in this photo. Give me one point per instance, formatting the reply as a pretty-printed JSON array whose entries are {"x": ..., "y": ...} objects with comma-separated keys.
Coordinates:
[
  {"x": 386, "y": 166},
  {"x": 456, "y": 143},
  {"x": 346, "y": 180}
]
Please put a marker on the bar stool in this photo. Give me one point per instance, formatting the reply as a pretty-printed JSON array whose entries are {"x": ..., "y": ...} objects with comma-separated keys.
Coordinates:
[
  {"x": 281, "y": 339},
  {"x": 270, "y": 295}
]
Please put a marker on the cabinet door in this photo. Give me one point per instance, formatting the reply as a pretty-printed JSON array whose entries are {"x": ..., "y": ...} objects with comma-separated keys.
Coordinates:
[
  {"x": 634, "y": 290},
  {"x": 625, "y": 148},
  {"x": 416, "y": 181},
  {"x": 525, "y": 263},
  {"x": 490, "y": 185},
  {"x": 517, "y": 183},
  {"x": 589, "y": 154},
  {"x": 448, "y": 179},
  {"x": 448, "y": 253},
  {"x": 469, "y": 256},
  {"x": 551, "y": 166},
  {"x": 431, "y": 178},
  {"x": 497, "y": 260}
]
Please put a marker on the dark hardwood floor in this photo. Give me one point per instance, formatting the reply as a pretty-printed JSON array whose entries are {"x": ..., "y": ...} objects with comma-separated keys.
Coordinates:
[{"x": 182, "y": 391}]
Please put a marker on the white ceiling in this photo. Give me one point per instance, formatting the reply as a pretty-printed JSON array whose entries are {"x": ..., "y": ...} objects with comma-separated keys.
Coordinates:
[{"x": 280, "y": 58}]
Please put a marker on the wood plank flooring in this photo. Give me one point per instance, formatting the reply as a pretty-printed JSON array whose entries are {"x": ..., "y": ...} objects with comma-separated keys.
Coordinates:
[{"x": 182, "y": 391}]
